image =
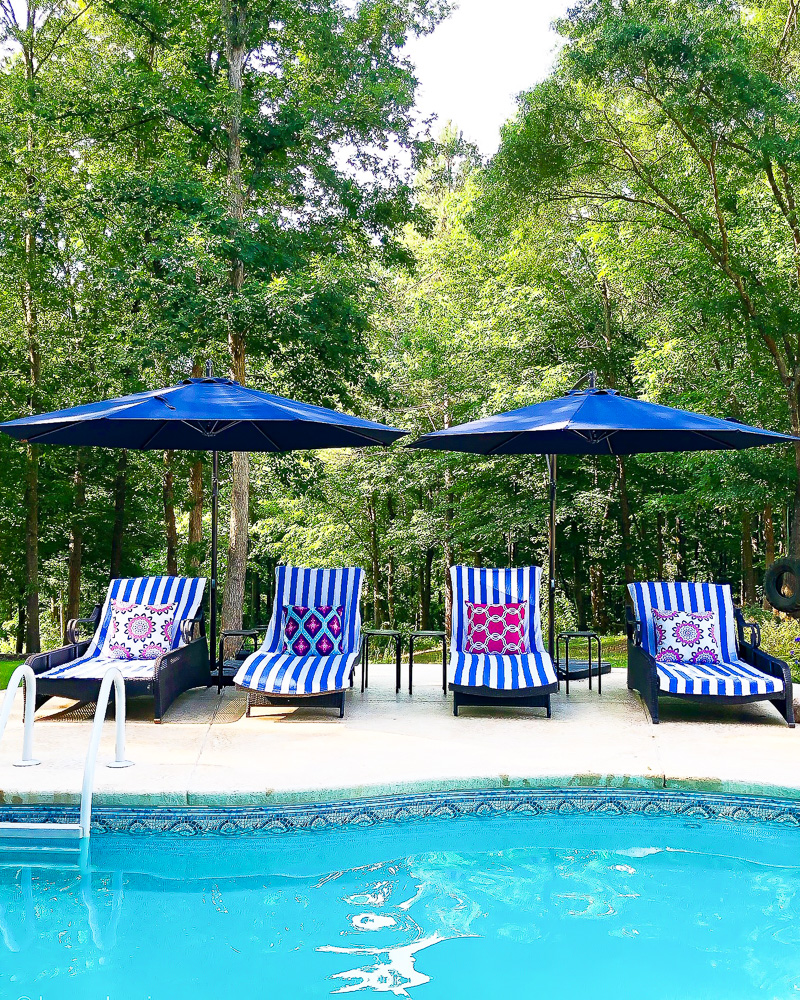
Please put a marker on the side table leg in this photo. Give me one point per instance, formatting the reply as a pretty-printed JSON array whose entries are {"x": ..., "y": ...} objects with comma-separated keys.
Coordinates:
[
  {"x": 364, "y": 661},
  {"x": 410, "y": 664},
  {"x": 599, "y": 666},
  {"x": 398, "y": 651},
  {"x": 566, "y": 664},
  {"x": 590, "y": 663},
  {"x": 444, "y": 666}
]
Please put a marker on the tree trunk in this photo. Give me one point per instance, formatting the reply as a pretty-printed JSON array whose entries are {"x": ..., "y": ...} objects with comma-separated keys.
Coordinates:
[
  {"x": 794, "y": 538},
  {"x": 32, "y": 550},
  {"x": 748, "y": 573},
  {"x": 598, "y": 603},
  {"x": 390, "y": 563},
  {"x": 769, "y": 546},
  {"x": 580, "y": 597},
  {"x": 170, "y": 528},
  {"x": 235, "y": 27},
  {"x": 426, "y": 573},
  {"x": 195, "y": 539},
  {"x": 255, "y": 598},
  {"x": 31, "y": 324},
  {"x": 73, "y": 609},
  {"x": 21, "y": 615},
  {"x": 660, "y": 545},
  {"x": 625, "y": 523},
  {"x": 375, "y": 559},
  {"x": 118, "y": 533},
  {"x": 448, "y": 530},
  {"x": 680, "y": 547}
]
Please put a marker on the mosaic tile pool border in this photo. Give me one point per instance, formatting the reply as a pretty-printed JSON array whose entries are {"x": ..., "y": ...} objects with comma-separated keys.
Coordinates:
[{"x": 190, "y": 821}]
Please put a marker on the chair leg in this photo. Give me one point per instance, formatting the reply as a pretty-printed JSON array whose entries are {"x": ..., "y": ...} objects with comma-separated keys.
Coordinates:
[
  {"x": 341, "y": 707},
  {"x": 247, "y": 713},
  {"x": 549, "y": 710}
]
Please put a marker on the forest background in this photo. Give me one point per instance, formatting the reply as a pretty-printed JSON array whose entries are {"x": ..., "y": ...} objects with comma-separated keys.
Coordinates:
[{"x": 249, "y": 182}]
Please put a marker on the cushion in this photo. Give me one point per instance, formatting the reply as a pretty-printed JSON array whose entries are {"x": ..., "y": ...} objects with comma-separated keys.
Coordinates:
[
  {"x": 316, "y": 631},
  {"x": 687, "y": 637},
  {"x": 140, "y": 631},
  {"x": 495, "y": 628}
]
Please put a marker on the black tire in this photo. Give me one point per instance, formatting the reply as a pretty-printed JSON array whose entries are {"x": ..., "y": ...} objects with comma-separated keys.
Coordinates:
[{"x": 774, "y": 582}]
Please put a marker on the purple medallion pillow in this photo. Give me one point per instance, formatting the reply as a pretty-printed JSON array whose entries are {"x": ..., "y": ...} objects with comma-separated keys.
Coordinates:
[
  {"x": 312, "y": 631},
  {"x": 687, "y": 637},
  {"x": 140, "y": 631}
]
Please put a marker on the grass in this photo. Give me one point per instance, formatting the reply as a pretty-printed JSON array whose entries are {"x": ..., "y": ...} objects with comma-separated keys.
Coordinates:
[{"x": 7, "y": 668}]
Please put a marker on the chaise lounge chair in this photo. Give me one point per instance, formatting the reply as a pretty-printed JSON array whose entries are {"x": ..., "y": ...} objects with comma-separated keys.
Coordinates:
[
  {"x": 705, "y": 659},
  {"x": 151, "y": 627},
  {"x": 525, "y": 678},
  {"x": 312, "y": 643}
]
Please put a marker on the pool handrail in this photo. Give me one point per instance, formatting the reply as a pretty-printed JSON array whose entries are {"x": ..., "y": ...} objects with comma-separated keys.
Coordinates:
[
  {"x": 23, "y": 674},
  {"x": 113, "y": 675}
]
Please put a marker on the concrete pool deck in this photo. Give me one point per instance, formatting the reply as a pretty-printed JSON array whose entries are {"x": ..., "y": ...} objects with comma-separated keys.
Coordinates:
[{"x": 208, "y": 753}]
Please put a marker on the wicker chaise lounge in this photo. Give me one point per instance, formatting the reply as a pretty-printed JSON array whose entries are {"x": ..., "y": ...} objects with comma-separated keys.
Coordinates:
[
  {"x": 288, "y": 668},
  {"x": 165, "y": 655},
  {"x": 665, "y": 659},
  {"x": 485, "y": 678}
]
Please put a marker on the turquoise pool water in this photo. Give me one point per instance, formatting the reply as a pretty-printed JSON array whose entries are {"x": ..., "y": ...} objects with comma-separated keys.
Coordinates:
[{"x": 465, "y": 908}]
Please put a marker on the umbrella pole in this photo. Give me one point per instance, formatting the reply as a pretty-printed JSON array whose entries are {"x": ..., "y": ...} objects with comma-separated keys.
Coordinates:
[
  {"x": 213, "y": 593},
  {"x": 551, "y": 583}
]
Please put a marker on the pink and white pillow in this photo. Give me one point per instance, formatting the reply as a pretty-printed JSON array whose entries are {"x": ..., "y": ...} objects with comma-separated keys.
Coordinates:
[
  {"x": 495, "y": 628},
  {"x": 312, "y": 631},
  {"x": 687, "y": 637},
  {"x": 140, "y": 631}
]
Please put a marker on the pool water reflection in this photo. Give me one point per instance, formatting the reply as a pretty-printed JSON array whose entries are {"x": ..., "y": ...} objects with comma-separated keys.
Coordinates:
[{"x": 472, "y": 908}]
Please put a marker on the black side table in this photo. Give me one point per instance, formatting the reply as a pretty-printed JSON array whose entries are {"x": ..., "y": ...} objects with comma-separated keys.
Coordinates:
[
  {"x": 385, "y": 633},
  {"x": 426, "y": 634},
  {"x": 581, "y": 668}
]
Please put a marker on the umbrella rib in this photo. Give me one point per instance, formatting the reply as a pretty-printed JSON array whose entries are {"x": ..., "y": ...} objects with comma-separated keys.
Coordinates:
[
  {"x": 504, "y": 442},
  {"x": 153, "y": 435},
  {"x": 264, "y": 434}
]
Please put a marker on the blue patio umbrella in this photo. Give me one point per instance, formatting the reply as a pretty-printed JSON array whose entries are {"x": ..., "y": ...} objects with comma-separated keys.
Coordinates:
[
  {"x": 202, "y": 414},
  {"x": 594, "y": 421}
]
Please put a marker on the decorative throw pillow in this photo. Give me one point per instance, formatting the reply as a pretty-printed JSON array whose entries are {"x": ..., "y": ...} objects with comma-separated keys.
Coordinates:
[
  {"x": 495, "y": 628},
  {"x": 687, "y": 637},
  {"x": 140, "y": 631},
  {"x": 312, "y": 631}
]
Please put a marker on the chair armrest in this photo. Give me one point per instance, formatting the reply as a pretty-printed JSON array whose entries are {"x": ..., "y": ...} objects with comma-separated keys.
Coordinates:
[
  {"x": 755, "y": 633},
  {"x": 72, "y": 627},
  {"x": 633, "y": 627},
  {"x": 39, "y": 662},
  {"x": 187, "y": 627},
  {"x": 765, "y": 662}
]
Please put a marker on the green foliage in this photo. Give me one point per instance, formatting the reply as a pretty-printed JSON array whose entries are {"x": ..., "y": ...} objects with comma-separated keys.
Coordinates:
[{"x": 638, "y": 219}]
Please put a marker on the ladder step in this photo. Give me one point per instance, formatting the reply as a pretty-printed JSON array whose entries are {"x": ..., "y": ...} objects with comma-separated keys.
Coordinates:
[{"x": 40, "y": 831}]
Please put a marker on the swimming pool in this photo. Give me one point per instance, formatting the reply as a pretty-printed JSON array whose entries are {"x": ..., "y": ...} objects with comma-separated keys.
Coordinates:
[{"x": 572, "y": 901}]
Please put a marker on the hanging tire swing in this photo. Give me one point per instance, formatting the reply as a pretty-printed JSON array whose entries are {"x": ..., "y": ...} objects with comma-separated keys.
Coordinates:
[{"x": 782, "y": 584}]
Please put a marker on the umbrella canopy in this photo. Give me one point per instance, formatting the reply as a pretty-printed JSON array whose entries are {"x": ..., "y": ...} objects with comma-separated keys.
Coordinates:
[
  {"x": 597, "y": 422},
  {"x": 202, "y": 414},
  {"x": 594, "y": 421}
]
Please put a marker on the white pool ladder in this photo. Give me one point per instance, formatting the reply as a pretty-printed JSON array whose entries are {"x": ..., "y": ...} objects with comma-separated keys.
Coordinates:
[{"x": 72, "y": 832}]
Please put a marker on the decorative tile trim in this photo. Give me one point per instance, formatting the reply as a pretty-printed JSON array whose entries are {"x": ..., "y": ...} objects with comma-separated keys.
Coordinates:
[{"x": 287, "y": 819}]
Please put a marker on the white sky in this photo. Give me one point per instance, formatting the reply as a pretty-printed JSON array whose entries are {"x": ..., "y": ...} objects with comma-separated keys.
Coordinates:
[{"x": 476, "y": 62}]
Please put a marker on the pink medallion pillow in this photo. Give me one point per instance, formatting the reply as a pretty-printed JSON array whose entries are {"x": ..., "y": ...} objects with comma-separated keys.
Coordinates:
[
  {"x": 140, "y": 631},
  {"x": 312, "y": 631},
  {"x": 687, "y": 637},
  {"x": 495, "y": 628}
]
